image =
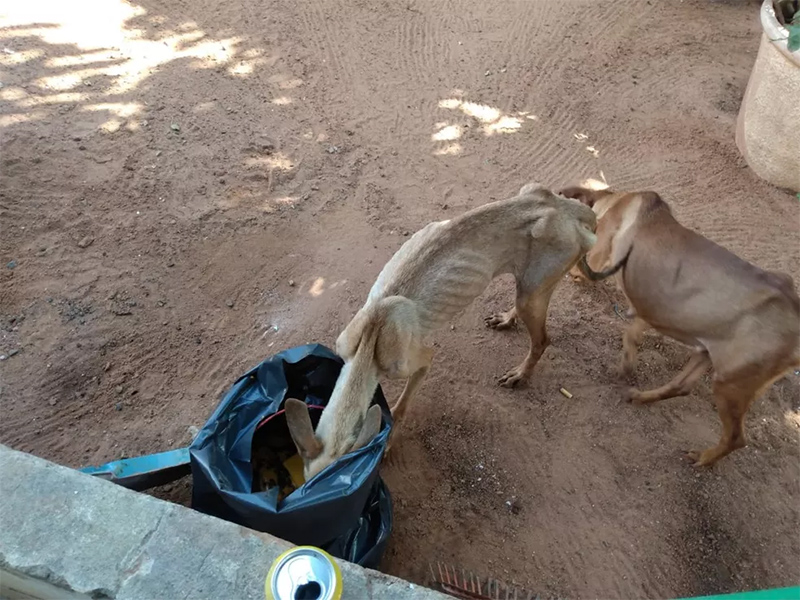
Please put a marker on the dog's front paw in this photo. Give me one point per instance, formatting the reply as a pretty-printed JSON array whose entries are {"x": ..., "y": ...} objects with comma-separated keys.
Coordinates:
[
  {"x": 512, "y": 378},
  {"x": 500, "y": 321}
]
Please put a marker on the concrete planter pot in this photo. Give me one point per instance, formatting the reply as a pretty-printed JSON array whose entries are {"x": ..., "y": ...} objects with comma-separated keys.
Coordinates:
[{"x": 768, "y": 126}]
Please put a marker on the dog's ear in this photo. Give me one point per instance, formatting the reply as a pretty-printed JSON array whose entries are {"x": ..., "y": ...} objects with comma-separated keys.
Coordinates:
[
  {"x": 299, "y": 422},
  {"x": 584, "y": 195},
  {"x": 370, "y": 428}
]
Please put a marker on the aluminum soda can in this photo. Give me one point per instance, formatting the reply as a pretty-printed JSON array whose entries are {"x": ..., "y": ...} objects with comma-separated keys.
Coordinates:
[{"x": 304, "y": 573}]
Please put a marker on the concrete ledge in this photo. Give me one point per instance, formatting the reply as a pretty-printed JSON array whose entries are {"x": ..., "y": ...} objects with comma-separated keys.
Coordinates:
[{"x": 64, "y": 534}]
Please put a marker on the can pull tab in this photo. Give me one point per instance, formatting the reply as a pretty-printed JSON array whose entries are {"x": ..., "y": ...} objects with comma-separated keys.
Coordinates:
[
  {"x": 304, "y": 573},
  {"x": 308, "y": 591}
]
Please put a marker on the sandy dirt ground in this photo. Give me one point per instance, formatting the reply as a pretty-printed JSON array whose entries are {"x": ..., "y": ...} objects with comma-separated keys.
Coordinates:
[{"x": 189, "y": 186}]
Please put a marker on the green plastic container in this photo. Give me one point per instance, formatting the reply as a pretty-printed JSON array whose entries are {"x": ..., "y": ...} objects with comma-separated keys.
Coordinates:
[{"x": 789, "y": 593}]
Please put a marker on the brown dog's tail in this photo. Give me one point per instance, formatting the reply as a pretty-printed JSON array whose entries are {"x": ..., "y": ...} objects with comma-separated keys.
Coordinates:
[{"x": 583, "y": 265}]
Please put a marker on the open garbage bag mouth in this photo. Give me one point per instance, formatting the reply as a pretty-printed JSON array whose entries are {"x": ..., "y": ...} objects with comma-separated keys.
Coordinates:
[
  {"x": 243, "y": 468},
  {"x": 276, "y": 463}
]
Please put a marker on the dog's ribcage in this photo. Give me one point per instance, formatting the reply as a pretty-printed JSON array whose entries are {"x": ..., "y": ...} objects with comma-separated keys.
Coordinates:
[{"x": 442, "y": 279}]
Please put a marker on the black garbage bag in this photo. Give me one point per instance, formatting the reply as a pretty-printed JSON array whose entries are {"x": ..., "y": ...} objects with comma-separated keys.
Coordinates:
[
  {"x": 365, "y": 543},
  {"x": 346, "y": 509}
]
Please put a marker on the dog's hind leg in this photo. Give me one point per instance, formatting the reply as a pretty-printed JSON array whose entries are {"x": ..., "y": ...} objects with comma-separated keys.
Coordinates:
[
  {"x": 733, "y": 399},
  {"x": 733, "y": 396},
  {"x": 502, "y": 320},
  {"x": 680, "y": 385},
  {"x": 532, "y": 310}
]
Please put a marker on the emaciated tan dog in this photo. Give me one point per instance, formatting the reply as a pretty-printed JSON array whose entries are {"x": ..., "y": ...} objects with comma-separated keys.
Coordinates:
[
  {"x": 742, "y": 321},
  {"x": 536, "y": 236}
]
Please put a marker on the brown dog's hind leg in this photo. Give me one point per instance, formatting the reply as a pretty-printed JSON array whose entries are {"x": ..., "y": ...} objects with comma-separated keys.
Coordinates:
[
  {"x": 680, "y": 385},
  {"x": 630, "y": 345},
  {"x": 532, "y": 310},
  {"x": 733, "y": 396},
  {"x": 733, "y": 399},
  {"x": 502, "y": 320}
]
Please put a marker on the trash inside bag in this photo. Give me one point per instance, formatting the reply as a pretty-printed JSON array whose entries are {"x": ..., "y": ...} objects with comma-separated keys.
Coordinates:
[
  {"x": 276, "y": 463},
  {"x": 245, "y": 468}
]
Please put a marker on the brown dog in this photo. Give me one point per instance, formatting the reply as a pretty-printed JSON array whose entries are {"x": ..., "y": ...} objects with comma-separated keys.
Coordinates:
[
  {"x": 536, "y": 236},
  {"x": 742, "y": 321}
]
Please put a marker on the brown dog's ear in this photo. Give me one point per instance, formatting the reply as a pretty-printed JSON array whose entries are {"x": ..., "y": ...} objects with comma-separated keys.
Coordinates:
[
  {"x": 371, "y": 427},
  {"x": 584, "y": 195},
  {"x": 299, "y": 422}
]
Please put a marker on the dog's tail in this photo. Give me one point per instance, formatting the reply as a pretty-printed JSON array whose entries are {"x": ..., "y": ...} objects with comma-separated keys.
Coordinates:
[
  {"x": 374, "y": 342},
  {"x": 356, "y": 345},
  {"x": 373, "y": 321},
  {"x": 583, "y": 265}
]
